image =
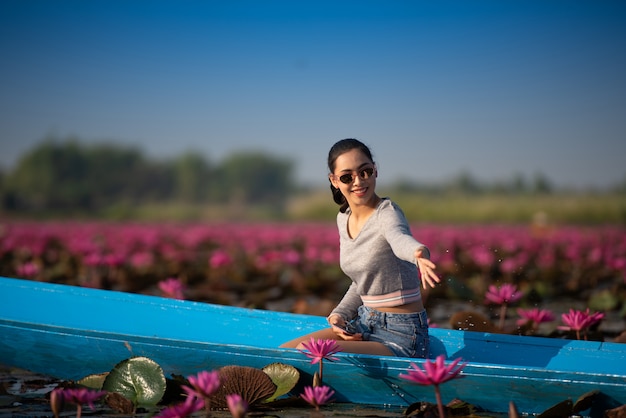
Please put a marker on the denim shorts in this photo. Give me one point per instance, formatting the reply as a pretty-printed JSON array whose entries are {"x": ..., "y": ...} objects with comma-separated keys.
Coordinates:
[{"x": 406, "y": 335}]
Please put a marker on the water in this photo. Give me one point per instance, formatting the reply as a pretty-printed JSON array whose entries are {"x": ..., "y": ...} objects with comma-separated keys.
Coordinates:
[{"x": 25, "y": 394}]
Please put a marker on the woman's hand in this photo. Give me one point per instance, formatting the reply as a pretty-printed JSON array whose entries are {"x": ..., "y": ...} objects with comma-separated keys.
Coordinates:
[
  {"x": 338, "y": 325},
  {"x": 426, "y": 268}
]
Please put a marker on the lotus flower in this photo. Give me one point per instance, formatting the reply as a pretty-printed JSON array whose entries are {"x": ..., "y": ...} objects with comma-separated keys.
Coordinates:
[
  {"x": 507, "y": 293},
  {"x": 172, "y": 288},
  {"x": 57, "y": 401},
  {"x": 434, "y": 373},
  {"x": 534, "y": 317},
  {"x": 141, "y": 260},
  {"x": 220, "y": 258},
  {"x": 192, "y": 404},
  {"x": 503, "y": 296},
  {"x": 28, "y": 270},
  {"x": 236, "y": 405},
  {"x": 203, "y": 386},
  {"x": 317, "y": 395},
  {"x": 580, "y": 321},
  {"x": 320, "y": 350},
  {"x": 78, "y": 396}
]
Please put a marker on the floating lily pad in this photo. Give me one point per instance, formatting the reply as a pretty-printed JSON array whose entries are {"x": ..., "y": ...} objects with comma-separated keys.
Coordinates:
[
  {"x": 458, "y": 407},
  {"x": 284, "y": 377},
  {"x": 605, "y": 300},
  {"x": 422, "y": 410},
  {"x": 93, "y": 381},
  {"x": 619, "y": 412},
  {"x": 252, "y": 384},
  {"x": 561, "y": 409},
  {"x": 584, "y": 402},
  {"x": 119, "y": 403},
  {"x": 138, "y": 379}
]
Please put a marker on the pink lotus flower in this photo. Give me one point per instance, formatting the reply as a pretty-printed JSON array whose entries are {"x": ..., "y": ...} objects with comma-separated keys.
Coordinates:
[
  {"x": 203, "y": 386},
  {"x": 320, "y": 350},
  {"x": 580, "y": 321},
  {"x": 510, "y": 265},
  {"x": 220, "y": 258},
  {"x": 432, "y": 324},
  {"x": 291, "y": 257},
  {"x": 93, "y": 259},
  {"x": 78, "y": 396},
  {"x": 507, "y": 293},
  {"x": 142, "y": 260},
  {"x": 113, "y": 260},
  {"x": 28, "y": 270},
  {"x": 236, "y": 405},
  {"x": 172, "y": 288},
  {"x": 503, "y": 296},
  {"x": 317, "y": 395},
  {"x": 483, "y": 257},
  {"x": 534, "y": 317},
  {"x": 434, "y": 373},
  {"x": 192, "y": 404},
  {"x": 57, "y": 402}
]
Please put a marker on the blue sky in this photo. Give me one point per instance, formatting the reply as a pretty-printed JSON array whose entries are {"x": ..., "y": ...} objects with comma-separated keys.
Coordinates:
[{"x": 493, "y": 88}]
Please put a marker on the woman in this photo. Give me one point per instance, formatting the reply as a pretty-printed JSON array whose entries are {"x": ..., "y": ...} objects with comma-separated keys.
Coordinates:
[{"x": 382, "y": 311}]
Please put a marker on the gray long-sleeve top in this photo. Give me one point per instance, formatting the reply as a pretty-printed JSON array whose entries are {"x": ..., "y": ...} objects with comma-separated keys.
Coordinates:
[{"x": 380, "y": 260}]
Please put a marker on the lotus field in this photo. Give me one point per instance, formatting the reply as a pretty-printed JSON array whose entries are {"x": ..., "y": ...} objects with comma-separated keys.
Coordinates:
[{"x": 513, "y": 275}]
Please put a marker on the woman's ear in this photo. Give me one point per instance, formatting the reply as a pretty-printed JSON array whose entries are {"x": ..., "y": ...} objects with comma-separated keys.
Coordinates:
[{"x": 332, "y": 180}]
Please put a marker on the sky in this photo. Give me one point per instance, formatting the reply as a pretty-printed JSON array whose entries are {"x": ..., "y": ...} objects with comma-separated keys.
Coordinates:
[{"x": 495, "y": 89}]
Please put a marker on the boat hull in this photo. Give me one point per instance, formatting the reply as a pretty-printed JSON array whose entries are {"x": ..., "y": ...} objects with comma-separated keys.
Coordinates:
[{"x": 70, "y": 332}]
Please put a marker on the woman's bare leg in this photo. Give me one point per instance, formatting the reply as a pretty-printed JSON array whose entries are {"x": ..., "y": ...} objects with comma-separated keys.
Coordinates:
[
  {"x": 364, "y": 347},
  {"x": 323, "y": 334},
  {"x": 356, "y": 347}
]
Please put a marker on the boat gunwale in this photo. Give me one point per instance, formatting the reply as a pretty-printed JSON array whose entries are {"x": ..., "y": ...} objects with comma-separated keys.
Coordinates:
[
  {"x": 204, "y": 307},
  {"x": 471, "y": 367}
]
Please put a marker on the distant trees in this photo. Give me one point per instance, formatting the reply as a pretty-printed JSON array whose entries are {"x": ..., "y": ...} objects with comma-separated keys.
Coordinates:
[
  {"x": 72, "y": 178},
  {"x": 69, "y": 176},
  {"x": 465, "y": 183},
  {"x": 255, "y": 178},
  {"x": 192, "y": 175}
]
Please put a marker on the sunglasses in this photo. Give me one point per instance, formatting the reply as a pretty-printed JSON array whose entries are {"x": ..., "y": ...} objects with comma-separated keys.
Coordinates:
[{"x": 364, "y": 174}]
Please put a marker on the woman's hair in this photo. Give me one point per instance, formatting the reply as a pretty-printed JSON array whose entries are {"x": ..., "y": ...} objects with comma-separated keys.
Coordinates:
[{"x": 341, "y": 147}]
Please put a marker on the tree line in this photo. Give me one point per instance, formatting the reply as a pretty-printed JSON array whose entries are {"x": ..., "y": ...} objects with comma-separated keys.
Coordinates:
[
  {"x": 58, "y": 176},
  {"x": 67, "y": 177}
]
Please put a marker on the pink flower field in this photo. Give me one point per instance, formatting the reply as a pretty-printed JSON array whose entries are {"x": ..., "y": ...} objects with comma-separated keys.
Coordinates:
[{"x": 294, "y": 267}]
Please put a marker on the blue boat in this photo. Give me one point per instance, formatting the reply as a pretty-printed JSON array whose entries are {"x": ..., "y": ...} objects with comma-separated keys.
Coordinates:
[{"x": 69, "y": 332}]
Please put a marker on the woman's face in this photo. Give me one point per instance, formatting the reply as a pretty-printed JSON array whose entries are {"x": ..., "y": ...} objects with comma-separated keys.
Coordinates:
[{"x": 355, "y": 176}]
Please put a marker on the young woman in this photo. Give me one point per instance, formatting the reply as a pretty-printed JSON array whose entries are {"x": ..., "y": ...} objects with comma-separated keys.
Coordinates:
[{"x": 382, "y": 311}]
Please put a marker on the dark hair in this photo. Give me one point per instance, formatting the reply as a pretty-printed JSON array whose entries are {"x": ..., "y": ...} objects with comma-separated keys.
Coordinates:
[{"x": 341, "y": 147}]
